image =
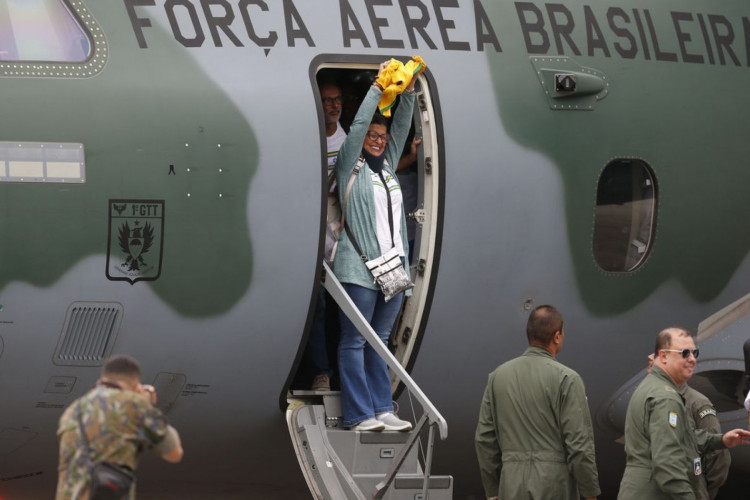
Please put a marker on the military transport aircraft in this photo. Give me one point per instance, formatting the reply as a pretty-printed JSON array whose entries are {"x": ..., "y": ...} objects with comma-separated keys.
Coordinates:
[{"x": 162, "y": 194}]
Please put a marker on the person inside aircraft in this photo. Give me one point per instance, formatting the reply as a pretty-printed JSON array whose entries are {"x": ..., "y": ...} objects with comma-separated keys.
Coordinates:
[
  {"x": 374, "y": 216},
  {"x": 408, "y": 179},
  {"x": 317, "y": 346}
]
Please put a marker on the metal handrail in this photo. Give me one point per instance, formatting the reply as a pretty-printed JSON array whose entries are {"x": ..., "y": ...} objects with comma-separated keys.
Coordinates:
[{"x": 333, "y": 286}]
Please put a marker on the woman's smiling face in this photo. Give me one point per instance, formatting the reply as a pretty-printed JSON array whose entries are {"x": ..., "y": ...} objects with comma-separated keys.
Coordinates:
[{"x": 375, "y": 145}]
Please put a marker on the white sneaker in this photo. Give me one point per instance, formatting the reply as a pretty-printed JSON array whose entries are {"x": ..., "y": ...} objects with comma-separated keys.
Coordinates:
[
  {"x": 392, "y": 422},
  {"x": 321, "y": 382},
  {"x": 369, "y": 425}
]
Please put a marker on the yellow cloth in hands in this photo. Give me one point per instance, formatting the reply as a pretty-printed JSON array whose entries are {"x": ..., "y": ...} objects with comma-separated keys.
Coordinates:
[{"x": 395, "y": 78}]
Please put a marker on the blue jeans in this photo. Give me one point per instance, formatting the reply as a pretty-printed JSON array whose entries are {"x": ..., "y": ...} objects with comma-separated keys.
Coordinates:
[
  {"x": 365, "y": 384},
  {"x": 317, "y": 347}
]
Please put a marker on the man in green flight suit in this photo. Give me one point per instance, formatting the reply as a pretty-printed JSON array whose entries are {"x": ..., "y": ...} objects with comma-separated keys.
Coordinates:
[
  {"x": 702, "y": 415},
  {"x": 715, "y": 463},
  {"x": 662, "y": 448},
  {"x": 534, "y": 437}
]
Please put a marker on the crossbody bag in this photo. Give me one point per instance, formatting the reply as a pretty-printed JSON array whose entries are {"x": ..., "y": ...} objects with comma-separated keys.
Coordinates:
[
  {"x": 388, "y": 269},
  {"x": 108, "y": 481}
]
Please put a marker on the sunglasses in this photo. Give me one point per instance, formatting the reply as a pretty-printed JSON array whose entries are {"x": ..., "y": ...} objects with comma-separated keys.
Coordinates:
[{"x": 685, "y": 352}]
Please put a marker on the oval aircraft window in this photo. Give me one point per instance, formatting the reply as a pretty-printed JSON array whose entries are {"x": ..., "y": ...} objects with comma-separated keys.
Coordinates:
[
  {"x": 624, "y": 218},
  {"x": 41, "y": 30}
]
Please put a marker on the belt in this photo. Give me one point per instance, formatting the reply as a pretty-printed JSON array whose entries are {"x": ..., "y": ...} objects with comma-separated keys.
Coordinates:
[{"x": 533, "y": 456}]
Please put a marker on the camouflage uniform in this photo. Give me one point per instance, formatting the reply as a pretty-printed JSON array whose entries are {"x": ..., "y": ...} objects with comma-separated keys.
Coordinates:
[
  {"x": 119, "y": 425},
  {"x": 715, "y": 463}
]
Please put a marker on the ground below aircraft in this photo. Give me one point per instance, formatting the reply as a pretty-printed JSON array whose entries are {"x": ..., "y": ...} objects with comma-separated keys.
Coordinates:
[{"x": 162, "y": 194}]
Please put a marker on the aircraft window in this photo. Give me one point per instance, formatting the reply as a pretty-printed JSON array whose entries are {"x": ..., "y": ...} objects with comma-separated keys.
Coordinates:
[
  {"x": 624, "y": 218},
  {"x": 41, "y": 30},
  {"x": 51, "y": 162}
]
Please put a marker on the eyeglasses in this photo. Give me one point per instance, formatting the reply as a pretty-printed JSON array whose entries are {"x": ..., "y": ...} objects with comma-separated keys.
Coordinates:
[
  {"x": 372, "y": 135},
  {"x": 685, "y": 352},
  {"x": 332, "y": 100}
]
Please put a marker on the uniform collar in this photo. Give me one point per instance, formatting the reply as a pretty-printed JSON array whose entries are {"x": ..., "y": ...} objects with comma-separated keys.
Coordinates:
[
  {"x": 108, "y": 384},
  {"x": 658, "y": 372},
  {"x": 537, "y": 351}
]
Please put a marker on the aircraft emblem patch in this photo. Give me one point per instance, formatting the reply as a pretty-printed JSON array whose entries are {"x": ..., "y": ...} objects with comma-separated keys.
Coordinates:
[
  {"x": 672, "y": 419},
  {"x": 135, "y": 240}
]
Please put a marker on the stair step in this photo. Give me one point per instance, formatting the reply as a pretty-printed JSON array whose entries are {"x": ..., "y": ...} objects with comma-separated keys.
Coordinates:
[
  {"x": 408, "y": 481},
  {"x": 407, "y": 486},
  {"x": 372, "y": 452},
  {"x": 350, "y": 464}
]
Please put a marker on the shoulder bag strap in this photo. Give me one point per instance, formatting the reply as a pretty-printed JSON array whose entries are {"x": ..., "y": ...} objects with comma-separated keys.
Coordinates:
[
  {"x": 331, "y": 179},
  {"x": 85, "y": 438},
  {"x": 390, "y": 206},
  {"x": 349, "y": 185}
]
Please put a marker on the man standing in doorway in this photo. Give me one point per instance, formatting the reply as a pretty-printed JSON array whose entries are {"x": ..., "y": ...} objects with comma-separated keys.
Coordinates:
[
  {"x": 534, "y": 438},
  {"x": 317, "y": 346}
]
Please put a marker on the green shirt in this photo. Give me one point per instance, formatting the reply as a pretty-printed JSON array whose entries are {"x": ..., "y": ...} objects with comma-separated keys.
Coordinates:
[
  {"x": 662, "y": 449},
  {"x": 534, "y": 438},
  {"x": 715, "y": 463}
]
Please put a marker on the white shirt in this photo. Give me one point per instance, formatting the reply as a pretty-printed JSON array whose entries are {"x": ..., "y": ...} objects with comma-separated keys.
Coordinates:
[
  {"x": 383, "y": 229},
  {"x": 333, "y": 216},
  {"x": 747, "y": 402},
  {"x": 334, "y": 143}
]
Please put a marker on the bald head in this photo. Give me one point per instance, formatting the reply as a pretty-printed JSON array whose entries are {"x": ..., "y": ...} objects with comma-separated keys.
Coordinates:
[
  {"x": 675, "y": 354},
  {"x": 666, "y": 337},
  {"x": 543, "y": 323}
]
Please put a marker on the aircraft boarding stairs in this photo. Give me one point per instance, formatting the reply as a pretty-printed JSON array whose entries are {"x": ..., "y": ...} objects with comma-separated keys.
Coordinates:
[{"x": 342, "y": 464}]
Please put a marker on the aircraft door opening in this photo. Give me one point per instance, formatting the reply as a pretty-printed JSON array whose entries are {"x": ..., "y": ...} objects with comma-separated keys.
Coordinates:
[
  {"x": 340, "y": 83},
  {"x": 346, "y": 463}
]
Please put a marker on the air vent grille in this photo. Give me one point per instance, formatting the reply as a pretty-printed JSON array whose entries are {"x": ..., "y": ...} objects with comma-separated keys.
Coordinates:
[{"x": 89, "y": 333}]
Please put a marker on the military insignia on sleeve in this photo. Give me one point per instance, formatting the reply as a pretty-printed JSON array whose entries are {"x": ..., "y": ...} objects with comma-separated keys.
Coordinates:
[
  {"x": 697, "y": 466},
  {"x": 672, "y": 419},
  {"x": 708, "y": 411}
]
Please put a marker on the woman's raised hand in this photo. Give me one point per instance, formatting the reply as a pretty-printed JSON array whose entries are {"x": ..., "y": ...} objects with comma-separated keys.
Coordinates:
[{"x": 382, "y": 67}]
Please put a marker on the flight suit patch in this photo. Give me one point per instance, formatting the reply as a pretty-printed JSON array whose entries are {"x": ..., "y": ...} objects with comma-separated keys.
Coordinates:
[
  {"x": 672, "y": 419},
  {"x": 707, "y": 412},
  {"x": 697, "y": 466}
]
